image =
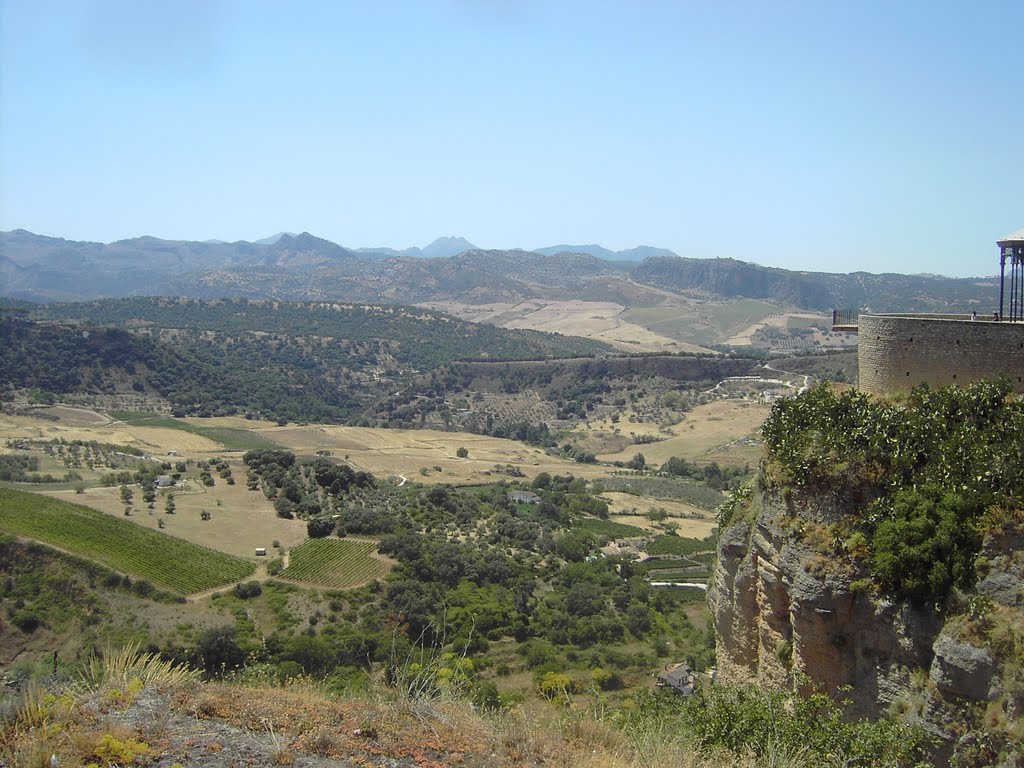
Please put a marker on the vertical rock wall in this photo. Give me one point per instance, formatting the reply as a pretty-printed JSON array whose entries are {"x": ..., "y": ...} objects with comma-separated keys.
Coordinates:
[
  {"x": 790, "y": 609},
  {"x": 784, "y": 613}
]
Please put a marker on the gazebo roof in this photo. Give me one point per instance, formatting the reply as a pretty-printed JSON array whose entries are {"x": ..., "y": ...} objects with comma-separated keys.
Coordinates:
[{"x": 1014, "y": 237}]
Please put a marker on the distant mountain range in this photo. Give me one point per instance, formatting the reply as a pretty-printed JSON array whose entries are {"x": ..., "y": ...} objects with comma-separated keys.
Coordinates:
[
  {"x": 639, "y": 253},
  {"x": 443, "y": 246},
  {"x": 304, "y": 267}
]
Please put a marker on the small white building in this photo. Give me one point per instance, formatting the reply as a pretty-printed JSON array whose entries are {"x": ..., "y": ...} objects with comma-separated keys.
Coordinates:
[{"x": 523, "y": 497}]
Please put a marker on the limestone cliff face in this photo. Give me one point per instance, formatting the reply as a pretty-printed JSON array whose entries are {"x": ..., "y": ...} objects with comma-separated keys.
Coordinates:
[{"x": 790, "y": 608}]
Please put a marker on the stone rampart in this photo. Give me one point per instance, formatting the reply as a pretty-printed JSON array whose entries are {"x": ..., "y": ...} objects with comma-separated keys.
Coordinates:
[{"x": 898, "y": 352}]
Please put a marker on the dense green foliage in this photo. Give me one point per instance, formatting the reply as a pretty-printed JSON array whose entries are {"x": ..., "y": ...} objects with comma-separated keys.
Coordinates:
[
  {"x": 411, "y": 335},
  {"x": 474, "y": 570},
  {"x": 310, "y": 489},
  {"x": 303, "y": 362},
  {"x": 924, "y": 474},
  {"x": 607, "y": 528},
  {"x": 779, "y": 728},
  {"x": 712, "y": 474},
  {"x": 165, "y": 561},
  {"x": 67, "y": 595},
  {"x": 198, "y": 374}
]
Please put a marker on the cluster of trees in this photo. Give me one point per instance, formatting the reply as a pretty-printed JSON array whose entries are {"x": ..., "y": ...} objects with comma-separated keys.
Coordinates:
[
  {"x": 717, "y": 477},
  {"x": 925, "y": 477},
  {"x": 198, "y": 374},
  {"x": 306, "y": 489},
  {"x": 412, "y": 336},
  {"x": 15, "y": 468},
  {"x": 737, "y": 722},
  {"x": 473, "y": 568},
  {"x": 301, "y": 362}
]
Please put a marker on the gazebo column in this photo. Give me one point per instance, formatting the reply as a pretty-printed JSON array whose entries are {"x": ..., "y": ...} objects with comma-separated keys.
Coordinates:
[{"x": 1011, "y": 248}]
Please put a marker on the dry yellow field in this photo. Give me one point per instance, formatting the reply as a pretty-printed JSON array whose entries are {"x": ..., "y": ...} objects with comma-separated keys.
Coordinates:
[
  {"x": 245, "y": 520},
  {"x": 705, "y": 430},
  {"x": 231, "y": 422},
  {"x": 621, "y": 503},
  {"x": 78, "y": 416},
  {"x": 153, "y": 440},
  {"x": 690, "y": 528},
  {"x": 403, "y": 452},
  {"x": 629, "y": 428},
  {"x": 598, "y": 320}
]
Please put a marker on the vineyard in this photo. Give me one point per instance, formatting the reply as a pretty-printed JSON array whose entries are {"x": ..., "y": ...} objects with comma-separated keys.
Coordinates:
[
  {"x": 607, "y": 528},
  {"x": 335, "y": 563},
  {"x": 165, "y": 561}
]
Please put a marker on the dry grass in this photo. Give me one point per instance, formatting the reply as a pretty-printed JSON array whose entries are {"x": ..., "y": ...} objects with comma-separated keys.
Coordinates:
[
  {"x": 153, "y": 440},
  {"x": 286, "y": 725},
  {"x": 240, "y": 520},
  {"x": 403, "y": 452},
  {"x": 598, "y": 320},
  {"x": 703, "y": 434},
  {"x": 128, "y": 666}
]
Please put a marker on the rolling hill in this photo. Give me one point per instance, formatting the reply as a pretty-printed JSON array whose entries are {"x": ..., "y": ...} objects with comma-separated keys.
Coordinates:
[{"x": 322, "y": 362}]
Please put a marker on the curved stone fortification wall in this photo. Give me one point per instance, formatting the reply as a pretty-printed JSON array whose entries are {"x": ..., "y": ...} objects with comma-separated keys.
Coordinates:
[{"x": 898, "y": 352}]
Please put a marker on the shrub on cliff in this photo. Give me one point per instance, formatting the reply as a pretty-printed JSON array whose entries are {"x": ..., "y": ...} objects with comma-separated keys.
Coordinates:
[
  {"x": 778, "y": 728},
  {"x": 925, "y": 471}
]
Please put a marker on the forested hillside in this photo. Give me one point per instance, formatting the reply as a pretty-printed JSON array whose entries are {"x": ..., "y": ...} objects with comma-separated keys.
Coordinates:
[
  {"x": 295, "y": 361},
  {"x": 819, "y": 290}
]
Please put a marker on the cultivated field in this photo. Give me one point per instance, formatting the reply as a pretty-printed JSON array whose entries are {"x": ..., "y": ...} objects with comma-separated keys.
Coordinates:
[
  {"x": 632, "y": 510},
  {"x": 711, "y": 432},
  {"x": 599, "y": 320},
  {"x": 165, "y": 561},
  {"x": 404, "y": 452},
  {"x": 157, "y": 441},
  {"x": 336, "y": 563},
  {"x": 699, "y": 321},
  {"x": 240, "y": 520},
  {"x": 794, "y": 321}
]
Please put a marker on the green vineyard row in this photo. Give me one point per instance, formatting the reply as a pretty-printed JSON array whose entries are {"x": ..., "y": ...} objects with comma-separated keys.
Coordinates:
[
  {"x": 167, "y": 562},
  {"x": 334, "y": 563}
]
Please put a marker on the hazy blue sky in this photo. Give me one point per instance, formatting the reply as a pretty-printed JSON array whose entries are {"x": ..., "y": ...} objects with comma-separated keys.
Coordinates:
[{"x": 880, "y": 135}]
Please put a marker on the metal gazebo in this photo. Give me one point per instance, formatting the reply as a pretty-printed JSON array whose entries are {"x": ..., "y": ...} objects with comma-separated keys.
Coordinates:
[{"x": 1011, "y": 249}]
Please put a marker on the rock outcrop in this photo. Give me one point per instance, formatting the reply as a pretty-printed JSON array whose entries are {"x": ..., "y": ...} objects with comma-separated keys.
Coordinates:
[{"x": 792, "y": 607}]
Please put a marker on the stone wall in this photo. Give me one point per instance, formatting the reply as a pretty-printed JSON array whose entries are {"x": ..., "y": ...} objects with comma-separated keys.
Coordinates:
[{"x": 898, "y": 352}]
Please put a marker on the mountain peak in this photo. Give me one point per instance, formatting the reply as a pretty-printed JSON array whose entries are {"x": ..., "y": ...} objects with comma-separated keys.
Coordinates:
[
  {"x": 274, "y": 238},
  {"x": 447, "y": 246}
]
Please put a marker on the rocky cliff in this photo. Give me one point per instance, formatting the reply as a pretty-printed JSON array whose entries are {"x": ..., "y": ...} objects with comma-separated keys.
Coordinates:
[{"x": 793, "y": 605}]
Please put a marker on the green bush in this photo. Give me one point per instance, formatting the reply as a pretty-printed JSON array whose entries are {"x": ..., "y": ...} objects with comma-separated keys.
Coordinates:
[
  {"x": 921, "y": 474},
  {"x": 26, "y": 621},
  {"x": 776, "y": 725},
  {"x": 247, "y": 590}
]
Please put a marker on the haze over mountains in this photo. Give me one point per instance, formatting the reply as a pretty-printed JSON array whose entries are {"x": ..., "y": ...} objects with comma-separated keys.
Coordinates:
[{"x": 305, "y": 267}]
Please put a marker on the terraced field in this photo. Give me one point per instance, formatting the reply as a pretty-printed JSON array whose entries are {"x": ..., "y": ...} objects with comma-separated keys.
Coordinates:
[
  {"x": 335, "y": 563},
  {"x": 167, "y": 562}
]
